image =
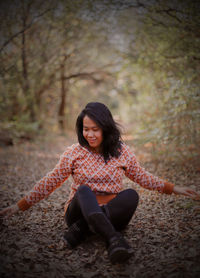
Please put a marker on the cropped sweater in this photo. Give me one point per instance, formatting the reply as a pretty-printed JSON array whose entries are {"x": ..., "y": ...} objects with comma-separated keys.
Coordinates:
[{"x": 89, "y": 168}]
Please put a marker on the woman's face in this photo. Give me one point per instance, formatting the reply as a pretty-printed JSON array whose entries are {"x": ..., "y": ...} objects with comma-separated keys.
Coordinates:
[{"x": 92, "y": 133}]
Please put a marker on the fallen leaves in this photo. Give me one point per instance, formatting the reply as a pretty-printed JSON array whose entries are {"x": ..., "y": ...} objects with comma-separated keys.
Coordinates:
[{"x": 164, "y": 231}]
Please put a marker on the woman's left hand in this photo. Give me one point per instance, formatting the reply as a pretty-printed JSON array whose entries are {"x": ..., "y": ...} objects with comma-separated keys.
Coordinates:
[{"x": 187, "y": 191}]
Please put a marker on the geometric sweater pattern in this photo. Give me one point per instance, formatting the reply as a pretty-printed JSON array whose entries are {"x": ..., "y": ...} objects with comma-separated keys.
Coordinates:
[{"x": 89, "y": 168}]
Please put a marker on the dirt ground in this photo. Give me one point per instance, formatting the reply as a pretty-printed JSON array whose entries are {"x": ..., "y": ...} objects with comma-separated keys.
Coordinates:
[{"x": 164, "y": 232}]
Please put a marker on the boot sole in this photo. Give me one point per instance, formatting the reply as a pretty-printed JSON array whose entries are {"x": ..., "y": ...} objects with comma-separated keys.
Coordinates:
[
  {"x": 68, "y": 244},
  {"x": 120, "y": 255}
]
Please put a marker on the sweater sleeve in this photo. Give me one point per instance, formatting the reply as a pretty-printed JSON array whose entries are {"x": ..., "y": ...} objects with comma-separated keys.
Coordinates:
[
  {"x": 50, "y": 182},
  {"x": 138, "y": 174}
]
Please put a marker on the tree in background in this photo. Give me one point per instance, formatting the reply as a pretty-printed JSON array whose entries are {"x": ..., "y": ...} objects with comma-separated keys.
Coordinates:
[
  {"x": 44, "y": 47},
  {"x": 139, "y": 57},
  {"x": 163, "y": 64}
]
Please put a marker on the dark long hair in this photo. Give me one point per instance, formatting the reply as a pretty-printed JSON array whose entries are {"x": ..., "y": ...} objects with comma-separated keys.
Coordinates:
[{"x": 101, "y": 115}]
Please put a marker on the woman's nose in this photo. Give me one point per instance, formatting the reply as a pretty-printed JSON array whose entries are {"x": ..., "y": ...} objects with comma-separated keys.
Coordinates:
[{"x": 90, "y": 133}]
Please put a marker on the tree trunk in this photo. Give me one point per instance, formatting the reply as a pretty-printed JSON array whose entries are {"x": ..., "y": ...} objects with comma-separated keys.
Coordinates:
[
  {"x": 26, "y": 84},
  {"x": 61, "y": 111}
]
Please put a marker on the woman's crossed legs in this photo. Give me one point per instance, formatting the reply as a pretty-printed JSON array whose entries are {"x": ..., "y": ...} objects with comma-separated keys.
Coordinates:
[{"x": 119, "y": 210}]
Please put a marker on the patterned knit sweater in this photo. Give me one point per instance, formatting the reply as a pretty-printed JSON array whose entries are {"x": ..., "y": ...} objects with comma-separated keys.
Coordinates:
[{"x": 89, "y": 168}]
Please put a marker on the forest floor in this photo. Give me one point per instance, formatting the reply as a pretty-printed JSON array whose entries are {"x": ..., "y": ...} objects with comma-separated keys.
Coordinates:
[{"x": 164, "y": 232}]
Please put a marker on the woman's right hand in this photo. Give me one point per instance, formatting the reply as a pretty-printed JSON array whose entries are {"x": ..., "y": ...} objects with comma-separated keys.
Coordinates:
[{"x": 9, "y": 211}]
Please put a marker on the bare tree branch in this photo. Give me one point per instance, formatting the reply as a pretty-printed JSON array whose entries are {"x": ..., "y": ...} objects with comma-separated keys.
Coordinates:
[
  {"x": 89, "y": 75},
  {"x": 23, "y": 30}
]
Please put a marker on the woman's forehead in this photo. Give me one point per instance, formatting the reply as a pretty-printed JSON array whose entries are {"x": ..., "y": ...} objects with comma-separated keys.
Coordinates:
[{"x": 87, "y": 121}]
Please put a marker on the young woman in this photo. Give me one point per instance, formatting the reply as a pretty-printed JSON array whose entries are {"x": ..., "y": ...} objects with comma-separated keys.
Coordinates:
[{"x": 97, "y": 202}]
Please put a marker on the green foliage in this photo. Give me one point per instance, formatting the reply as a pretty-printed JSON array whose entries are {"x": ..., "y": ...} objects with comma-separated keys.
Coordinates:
[
  {"x": 151, "y": 81},
  {"x": 53, "y": 39},
  {"x": 19, "y": 129},
  {"x": 166, "y": 75}
]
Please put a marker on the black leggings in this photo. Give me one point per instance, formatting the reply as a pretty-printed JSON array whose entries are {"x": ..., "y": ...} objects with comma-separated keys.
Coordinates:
[{"x": 119, "y": 210}]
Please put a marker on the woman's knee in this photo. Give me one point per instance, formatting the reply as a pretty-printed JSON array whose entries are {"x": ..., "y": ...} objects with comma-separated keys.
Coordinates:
[
  {"x": 132, "y": 199},
  {"x": 132, "y": 195},
  {"x": 122, "y": 208}
]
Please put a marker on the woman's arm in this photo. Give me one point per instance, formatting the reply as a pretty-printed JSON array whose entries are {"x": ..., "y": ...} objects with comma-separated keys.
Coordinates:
[
  {"x": 48, "y": 183},
  {"x": 45, "y": 186},
  {"x": 41, "y": 190},
  {"x": 139, "y": 175}
]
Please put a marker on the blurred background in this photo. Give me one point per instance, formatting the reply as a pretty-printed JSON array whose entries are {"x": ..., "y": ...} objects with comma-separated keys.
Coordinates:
[{"x": 140, "y": 58}]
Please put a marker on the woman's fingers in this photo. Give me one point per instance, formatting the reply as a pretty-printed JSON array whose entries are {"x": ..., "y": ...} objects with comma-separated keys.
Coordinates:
[
  {"x": 9, "y": 211},
  {"x": 187, "y": 192},
  {"x": 3, "y": 212},
  {"x": 193, "y": 194}
]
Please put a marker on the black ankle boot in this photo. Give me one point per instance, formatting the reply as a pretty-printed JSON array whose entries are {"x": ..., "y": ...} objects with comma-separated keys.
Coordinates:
[
  {"x": 118, "y": 248},
  {"x": 76, "y": 233}
]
